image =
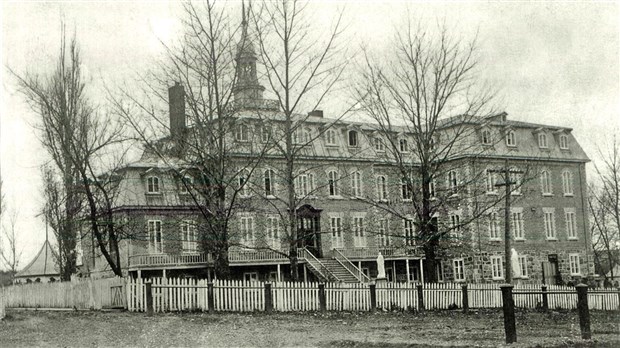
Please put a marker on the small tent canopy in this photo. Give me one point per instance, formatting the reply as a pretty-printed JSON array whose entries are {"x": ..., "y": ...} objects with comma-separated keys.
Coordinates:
[{"x": 43, "y": 267}]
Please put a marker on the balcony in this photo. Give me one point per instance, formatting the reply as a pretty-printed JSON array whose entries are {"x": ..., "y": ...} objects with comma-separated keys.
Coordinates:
[
  {"x": 240, "y": 257},
  {"x": 159, "y": 261},
  {"x": 389, "y": 253}
]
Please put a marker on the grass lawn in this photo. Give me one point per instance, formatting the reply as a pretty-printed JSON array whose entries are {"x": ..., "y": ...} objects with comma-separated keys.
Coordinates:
[{"x": 482, "y": 328}]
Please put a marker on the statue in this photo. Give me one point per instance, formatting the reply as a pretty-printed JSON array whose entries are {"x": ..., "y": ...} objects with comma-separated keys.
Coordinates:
[
  {"x": 380, "y": 267},
  {"x": 514, "y": 261}
]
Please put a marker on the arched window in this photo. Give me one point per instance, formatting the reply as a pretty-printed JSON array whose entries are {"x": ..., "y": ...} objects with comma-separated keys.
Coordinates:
[
  {"x": 152, "y": 184},
  {"x": 567, "y": 183},
  {"x": 332, "y": 181},
  {"x": 243, "y": 133},
  {"x": 405, "y": 189},
  {"x": 353, "y": 138},
  {"x": 330, "y": 137},
  {"x": 403, "y": 146},
  {"x": 379, "y": 144},
  {"x": 486, "y": 137},
  {"x": 542, "y": 140},
  {"x": 356, "y": 184},
  {"x": 269, "y": 184},
  {"x": 545, "y": 180},
  {"x": 453, "y": 181},
  {"x": 510, "y": 138},
  {"x": 265, "y": 134},
  {"x": 382, "y": 188},
  {"x": 563, "y": 141},
  {"x": 491, "y": 181},
  {"x": 244, "y": 185}
]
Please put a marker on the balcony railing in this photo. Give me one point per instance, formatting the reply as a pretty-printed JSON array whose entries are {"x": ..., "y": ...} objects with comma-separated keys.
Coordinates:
[
  {"x": 248, "y": 256},
  {"x": 387, "y": 252},
  {"x": 169, "y": 260}
]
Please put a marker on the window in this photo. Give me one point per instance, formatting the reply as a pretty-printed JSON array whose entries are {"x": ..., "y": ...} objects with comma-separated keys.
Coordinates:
[
  {"x": 246, "y": 228},
  {"x": 152, "y": 184},
  {"x": 545, "y": 180},
  {"x": 265, "y": 134},
  {"x": 301, "y": 136},
  {"x": 359, "y": 238},
  {"x": 269, "y": 184},
  {"x": 330, "y": 137},
  {"x": 332, "y": 183},
  {"x": 356, "y": 184},
  {"x": 459, "y": 270},
  {"x": 517, "y": 181},
  {"x": 571, "y": 224},
  {"x": 155, "y": 236},
  {"x": 353, "y": 138},
  {"x": 523, "y": 266},
  {"x": 189, "y": 236},
  {"x": 486, "y": 137},
  {"x": 244, "y": 186},
  {"x": 409, "y": 231},
  {"x": 250, "y": 276},
  {"x": 453, "y": 181},
  {"x": 574, "y": 262},
  {"x": 563, "y": 142},
  {"x": 379, "y": 144},
  {"x": 382, "y": 188},
  {"x": 383, "y": 236},
  {"x": 440, "y": 271},
  {"x": 497, "y": 271},
  {"x": 494, "y": 230},
  {"x": 405, "y": 189},
  {"x": 243, "y": 133},
  {"x": 403, "y": 147},
  {"x": 273, "y": 235},
  {"x": 186, "y": 184},
  {"x": 567, "y": 183},
  {"x": 549, "y": 220},
  {"x": 304, "y": 184},
  {"x": 516, "y": 217},
  {"x": 431, "y": 188},
  {"x": 542, "y": 140},
  {"x": 336, "y": 230},
  {"x": 510, "y": 139},
  {"x": 455, "y": 226},
  {"x": 491, "y": 181}
]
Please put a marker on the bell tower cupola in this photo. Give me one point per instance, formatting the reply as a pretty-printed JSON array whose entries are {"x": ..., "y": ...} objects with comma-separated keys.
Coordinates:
[{"x": 247, "y": 92}]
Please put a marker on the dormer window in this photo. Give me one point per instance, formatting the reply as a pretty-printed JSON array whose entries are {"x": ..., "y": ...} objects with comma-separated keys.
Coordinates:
[
  {"x": 186, "y": 184},
  {"x": 542, "y": 140},
  {"x": 301, "y": 136},
  {"x": 403, "y": 146},
  {"x": 353, "y": 141},
  {"x": 330, "y": 137},
  {"x": 265, "y": 134},
  {"x": 563, "y": 141},
  {"x": 243, "y": 133},
  {"x": 510, "y": 138},
  {"x": 152, "y": 184},
  {"x": 486, "y": 137},
  {"x": 379, "y": 144}
]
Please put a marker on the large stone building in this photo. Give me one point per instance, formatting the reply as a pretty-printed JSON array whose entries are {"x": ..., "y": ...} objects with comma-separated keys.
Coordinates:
[{"x": 354, "y": 204}]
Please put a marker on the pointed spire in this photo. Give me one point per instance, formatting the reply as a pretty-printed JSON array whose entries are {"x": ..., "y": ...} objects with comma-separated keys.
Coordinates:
[{"x": 243, "y": 20}]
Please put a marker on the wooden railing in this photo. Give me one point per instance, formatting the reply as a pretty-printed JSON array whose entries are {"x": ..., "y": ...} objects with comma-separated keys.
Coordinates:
[
  {"x": 243, "y": 256},
  {"x": 317, "y": 266},
  {"x": 150, "y": 260},
  {"x": 372, "y": 252},
  {"x": 357, "y": 273}
]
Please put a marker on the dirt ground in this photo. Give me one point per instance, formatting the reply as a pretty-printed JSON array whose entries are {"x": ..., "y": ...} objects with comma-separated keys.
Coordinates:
[{"x": 445, "y": 328}]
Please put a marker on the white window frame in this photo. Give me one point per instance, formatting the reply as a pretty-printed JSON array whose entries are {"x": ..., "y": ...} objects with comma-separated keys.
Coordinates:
[
  {"x": 458, "y": 267},
  {"x": 356, "y": 184},
  {"x": 403, "y": 145},
  {"x": 409, "y": 231},
  {"x": 517, "y": 223},
  {"x": 511, "y": 140},
  {"x": 497, "y": 267},
  {"x": 493, "y": 226},
  {"x": 455, "y": 226},
  {"x": 335, "y": 228},
  {"x": 268, "y": 180},
  {"x": 273, "y": 232},
  {"x": 432, "y": 189},
  {"x": 453, "y": 181},
  {"x": 265, "y": 135},
  {"x": 517, "y": 179},
  {"x": 189, "y": 236},
  {"x": 574, "y": 262},
  {"x": 549, "y": 223},
  {"x": 546, "y": 183},
  {"x": 304, "y": 185},
  {"x": 542, "y": 141},
  {"x": 486, "y": 137},
  {"x": 250, "y": 276},
  {"x": 246, "y": 230},
  {"x": 382, "y": 188},
  {"x": 244, "y": 183},
  {"x": 353, "y": 138},
  {"x": 153, "y": 185},
  {"x": 491, "y": 180},
  {"x": 155, "y": 230},
  {"x": 567, "y": 183},
  {"x": 570, "y": 221},
  {"x": 330, "y": 137},
  {"x": 186, "y": 181},
  {"x": 563, "y": 141},
  {"x": 332, "y": 183},
  {"x": 440, "y": 271},
  {"x": 523, "y": 266},
  {"x": 405, "y": 192},
  {"x": 358, "y": 227},
  {"x": 379, "y": 144},
  {"x": 242, "y": 133},
  {"x": 384, "y": 239}
]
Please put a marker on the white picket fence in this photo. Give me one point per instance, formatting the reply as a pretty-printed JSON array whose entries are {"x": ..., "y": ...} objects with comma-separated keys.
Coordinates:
[
  {"x": 2, "y": 310},
  {"x": 83, "y": 294},
  {"x": 244, "y": 296}
]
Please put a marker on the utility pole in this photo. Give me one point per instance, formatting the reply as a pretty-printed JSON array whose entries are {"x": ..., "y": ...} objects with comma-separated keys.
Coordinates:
[{"x": 507, "y": 240}]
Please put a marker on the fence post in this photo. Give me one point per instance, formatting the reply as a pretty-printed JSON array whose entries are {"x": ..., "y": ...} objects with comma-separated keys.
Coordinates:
[
  {"x": 373, "y": 297},
  {"x": 420, "y": 297},
  {"x": 545, "y": 298},
  {"x": 210, "y": 297},
  {"x": 149, "y": 298},
  {"x": 322, "y": 302},
  {"x": 584, "y": 311},
  {"x": 268, "y": 298},
  {"x": 465, "y": 299},
  {"x": 508, "y": 304}
]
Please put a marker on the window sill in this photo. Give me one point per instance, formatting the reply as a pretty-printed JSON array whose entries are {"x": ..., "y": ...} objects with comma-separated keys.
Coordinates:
[
  {"x": 547, "y": 194},
  {"x": 573, "y": 239},
  {"x": 337, "y": 197},
  {"x": 153, "y": 194},
  {"x": 519, "y": 239},
  {"x": 495, "y": 240},
  {"x": 270, "y": 197},
  {"x": 498, "y": 278},
  {"x": 407, "y": 200},
  {"x": 331, "y": 145},
  {"x": 569, "y": 195},
  {"x": 516, "y": 193},
  {"x": 384, "y": 201},
  {"x": 492, "y": 193},
  {"x": 551, "y": 239}
]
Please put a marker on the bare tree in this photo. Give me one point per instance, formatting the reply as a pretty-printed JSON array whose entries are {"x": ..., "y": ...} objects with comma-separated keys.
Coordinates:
[
  {"x": 426, "y": 99},
  {"x": 9, "y": 253},
  {"x": 80, "y": 141},
  {"x": 302, "y": 70},
  {"x": 604, "y": 204}
]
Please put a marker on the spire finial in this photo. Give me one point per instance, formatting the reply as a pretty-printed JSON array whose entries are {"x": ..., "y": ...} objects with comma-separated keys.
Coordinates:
[{"x": 243, "y": 21}]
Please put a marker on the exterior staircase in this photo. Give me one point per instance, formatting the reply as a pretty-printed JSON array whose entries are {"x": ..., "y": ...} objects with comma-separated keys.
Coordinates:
[{"x": 337, "y": 269}]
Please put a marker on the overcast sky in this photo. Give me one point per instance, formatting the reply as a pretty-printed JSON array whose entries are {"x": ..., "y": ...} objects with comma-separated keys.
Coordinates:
[{"x": 554, "y": 63}]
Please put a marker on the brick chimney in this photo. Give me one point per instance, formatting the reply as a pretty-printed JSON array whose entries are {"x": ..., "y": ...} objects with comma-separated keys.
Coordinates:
[
  {"x": 176, "y": 101},
  {"x": 317, "y": 113}
]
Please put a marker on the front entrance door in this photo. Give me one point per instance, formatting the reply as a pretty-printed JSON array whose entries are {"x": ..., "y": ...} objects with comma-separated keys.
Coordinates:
[{"x": 309, "y": 229}]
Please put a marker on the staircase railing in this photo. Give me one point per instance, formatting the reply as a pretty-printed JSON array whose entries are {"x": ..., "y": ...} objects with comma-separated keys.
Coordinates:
[
  {"x": 317, "y": 265},
  {"x": 356, "y": 272}
]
